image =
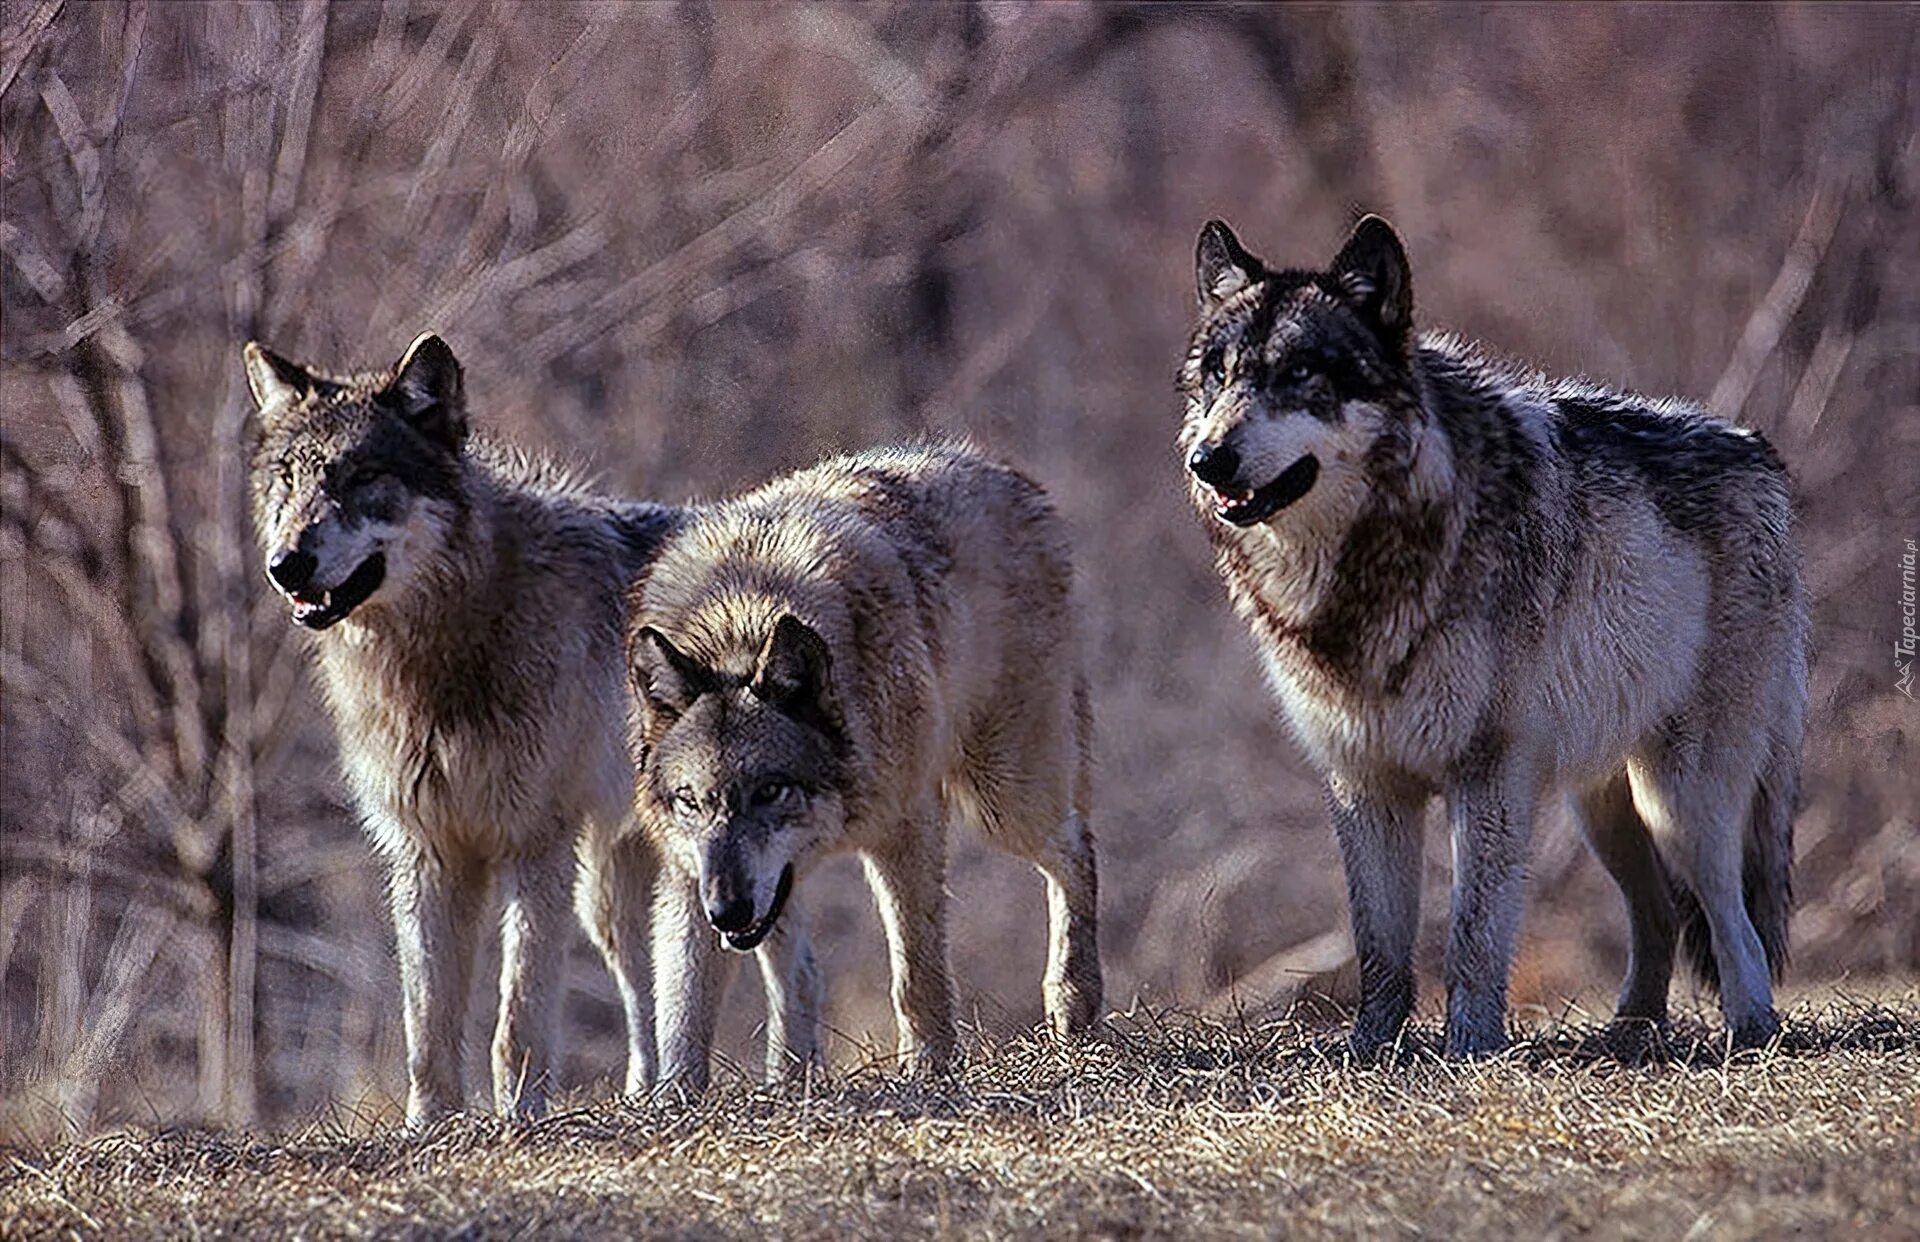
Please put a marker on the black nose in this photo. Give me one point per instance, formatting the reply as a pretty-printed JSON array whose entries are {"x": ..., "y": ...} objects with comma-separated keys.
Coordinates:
[
  {"x": 292, "y": 570},
  {"x": 1214, "y": 464},
  {"x": 729, "y": 914}
]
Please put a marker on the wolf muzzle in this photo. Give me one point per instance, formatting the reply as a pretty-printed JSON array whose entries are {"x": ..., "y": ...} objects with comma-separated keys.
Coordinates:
[
  {"x": 1218, "y": 466},
  {"x": 732, "y": 913},
  {"x": 318, "y": 608}
]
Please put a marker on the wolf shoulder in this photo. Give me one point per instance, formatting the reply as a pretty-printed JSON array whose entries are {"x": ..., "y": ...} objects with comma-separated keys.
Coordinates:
[
  {"x": 1668, "y": 444},
  {"x": 567, "y": 517}
]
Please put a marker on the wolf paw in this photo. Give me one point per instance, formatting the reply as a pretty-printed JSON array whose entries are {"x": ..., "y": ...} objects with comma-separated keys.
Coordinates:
[
  {"x": 1470, "y": 1044},
  {"x": 1755, "y": 1032}
]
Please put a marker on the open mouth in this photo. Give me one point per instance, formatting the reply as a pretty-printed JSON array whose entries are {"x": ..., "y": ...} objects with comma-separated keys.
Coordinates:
[
  {"x": 1246, "y": 508},
  {"x": 747, "y": 939},
  {"x": 318, "y": 610}
]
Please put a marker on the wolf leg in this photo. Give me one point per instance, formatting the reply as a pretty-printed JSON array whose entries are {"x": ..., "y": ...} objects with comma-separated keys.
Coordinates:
[
  {"x": 909, "y": 885},
  {"x": 1621, "y": 841},
  {"x": 1072, "y": 986},
  {"x": 1492, "y": 825},
  {"x": 1697, "y": 817},
  {"x": 1379, "y": 834},
  {"x": 437, "y": 916},
  {"x": 614, "y": 898},
  {"x": 533, "y": 946},
  {"x": 795, "y": 993},
  {"x": 690, "y": 975}
]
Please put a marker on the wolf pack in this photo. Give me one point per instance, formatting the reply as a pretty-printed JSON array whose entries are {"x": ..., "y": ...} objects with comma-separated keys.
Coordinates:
[{"x": 1465, "y": 581}]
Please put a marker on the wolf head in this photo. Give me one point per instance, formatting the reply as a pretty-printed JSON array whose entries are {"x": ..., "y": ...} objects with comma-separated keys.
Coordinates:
[
  {"x": 355, "y": 480},
  {"x": 1292, "y": 375},
  {"x": 743, "y": 772}
]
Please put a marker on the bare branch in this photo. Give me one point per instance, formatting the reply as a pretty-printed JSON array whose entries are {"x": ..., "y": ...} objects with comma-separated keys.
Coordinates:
[
  {"x": 1769, "y": 318},
  {"x": 21, "y": 42}
]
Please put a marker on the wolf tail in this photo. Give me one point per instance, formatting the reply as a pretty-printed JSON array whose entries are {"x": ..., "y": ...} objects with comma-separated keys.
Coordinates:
[{"x": 1766, "y": 872}]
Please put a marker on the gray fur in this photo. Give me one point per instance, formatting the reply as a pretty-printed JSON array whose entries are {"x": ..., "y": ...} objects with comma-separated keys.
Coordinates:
[
  {"x": 478, "y": 691},
  {"x": 842, "y": 660},
  {"x": 1497, "y": 588}
]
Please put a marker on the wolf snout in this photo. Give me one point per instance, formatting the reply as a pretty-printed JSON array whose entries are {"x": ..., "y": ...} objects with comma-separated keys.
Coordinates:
[
  {"x": 728, "y": 912},
  {"x": 1216, "y": 465},
  {"x": 293, "y": 569}
]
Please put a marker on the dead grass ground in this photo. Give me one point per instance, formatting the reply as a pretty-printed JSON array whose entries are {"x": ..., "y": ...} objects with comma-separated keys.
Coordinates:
[{"x": 1169, "y": 1125}]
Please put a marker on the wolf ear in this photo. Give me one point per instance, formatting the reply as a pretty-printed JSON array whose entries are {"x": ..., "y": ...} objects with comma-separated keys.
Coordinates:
[
  {"x": 426, "y": 391},
  {"x": 1222, "y": 266},
  {"x": 1371, "y": 270},
  {"x": 666, "y": 680},
  {"x": 272, "y": 378},
  {"x": 795, "y": 673}
]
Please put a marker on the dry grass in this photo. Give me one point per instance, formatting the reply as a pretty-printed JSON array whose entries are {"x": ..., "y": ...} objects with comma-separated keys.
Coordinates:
[{"x": 1170, "y": 1124}]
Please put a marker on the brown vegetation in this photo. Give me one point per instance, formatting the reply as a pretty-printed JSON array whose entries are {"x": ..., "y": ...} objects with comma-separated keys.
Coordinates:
[
  {"x": 699, "y": 245},
  {"x": 1170, "y": 1126}
]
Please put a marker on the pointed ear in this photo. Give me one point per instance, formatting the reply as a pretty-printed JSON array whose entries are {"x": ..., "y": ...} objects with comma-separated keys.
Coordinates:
[
  {"x": 426, "y": 391},
  {"x": 795, "y": 673},
  {"x": 1371, "y": 270},
  {"x": 1222, "y": 266},
  {"x": 667, "y": 680},
  {"x": 272, "y": 378}
]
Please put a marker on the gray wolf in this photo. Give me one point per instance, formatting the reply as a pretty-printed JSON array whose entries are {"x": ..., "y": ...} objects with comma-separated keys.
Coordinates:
[
  {"x": 468, "y": 609},
  {"x": 1470, "y": 581},
  {"x": 842, "y": 660}
]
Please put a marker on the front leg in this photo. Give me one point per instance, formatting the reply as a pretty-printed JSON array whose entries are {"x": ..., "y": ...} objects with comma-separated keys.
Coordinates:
[
  {"x": 908, "y": 876},
  {"x": 1491, "y": 819},
  {"x": 438, "y": 920},
  {"x": 1378, "y": 827},
  {"x": 690, "y": 975},
  {"x": 614, "y": 898},
  {"x": 794, "y": 997},
  {"x": 533, "y": 943}
]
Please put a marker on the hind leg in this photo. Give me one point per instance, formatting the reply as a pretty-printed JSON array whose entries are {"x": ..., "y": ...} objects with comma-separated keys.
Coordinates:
[
  {"x": 1071, "y": 988},
  {"x": 1622, "y": 844},
  {"x": 794, "y": 997},
  {"x": 1696, "y": 810},
  {"x": 1022, "y": 784}
]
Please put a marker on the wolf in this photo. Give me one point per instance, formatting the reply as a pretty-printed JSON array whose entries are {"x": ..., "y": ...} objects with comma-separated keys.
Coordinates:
[
  {"x": 840, "y": 661},
  {"x": 1470, "y": 581},
  {"x": 467, "y": 609}
]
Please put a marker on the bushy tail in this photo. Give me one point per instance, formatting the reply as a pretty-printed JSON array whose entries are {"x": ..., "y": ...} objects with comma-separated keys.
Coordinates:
[{"x": 1766, "y": 873}]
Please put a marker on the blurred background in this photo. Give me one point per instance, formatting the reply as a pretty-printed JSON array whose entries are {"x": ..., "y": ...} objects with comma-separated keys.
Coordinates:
[{"x": 697, "y": 245}]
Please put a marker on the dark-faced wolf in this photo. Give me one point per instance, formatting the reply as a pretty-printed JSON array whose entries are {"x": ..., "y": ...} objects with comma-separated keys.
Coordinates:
[
  {"x": 1472, "y": 581},
  {"x": 840, "y": 661},
  {"x": 468, "y": 609}
]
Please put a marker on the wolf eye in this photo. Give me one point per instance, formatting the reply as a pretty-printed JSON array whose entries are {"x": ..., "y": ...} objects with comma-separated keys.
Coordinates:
[
  {"x": 684, "y": 800},
  {"x": 773, "y": 793},
  {"x": 1299, "y": 373},
  {"x": 1213, "y": 364}
]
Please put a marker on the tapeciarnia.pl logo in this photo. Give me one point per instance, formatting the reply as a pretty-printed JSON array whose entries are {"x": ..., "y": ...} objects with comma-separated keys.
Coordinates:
[{"x": 1903, "y": 646}]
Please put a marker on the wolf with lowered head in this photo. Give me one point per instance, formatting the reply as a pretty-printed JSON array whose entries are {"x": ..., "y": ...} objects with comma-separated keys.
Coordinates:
[
  {"x": 842, "y": 660},
  {"x": 1474, "y": 582},
  {"x": 467, "y": 603}
]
